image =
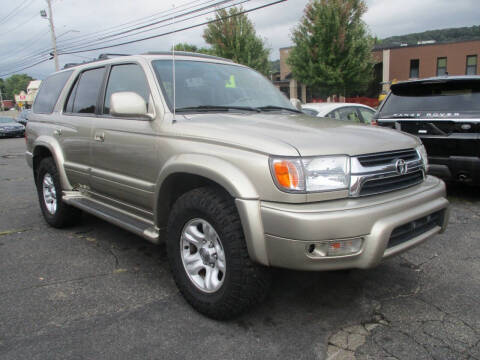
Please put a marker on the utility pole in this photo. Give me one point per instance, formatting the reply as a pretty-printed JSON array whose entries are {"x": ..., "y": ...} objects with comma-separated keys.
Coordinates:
[
  {"x": 1, "y": 101},
  {"x": 52, "y": 33}
]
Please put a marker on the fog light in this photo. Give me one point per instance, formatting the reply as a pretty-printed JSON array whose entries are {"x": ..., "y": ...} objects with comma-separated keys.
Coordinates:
[{"x": 335, "y": 248}]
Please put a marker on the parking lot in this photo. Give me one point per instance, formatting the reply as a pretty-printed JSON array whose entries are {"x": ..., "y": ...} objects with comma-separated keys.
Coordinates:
[{"x": 95, "y": 291}]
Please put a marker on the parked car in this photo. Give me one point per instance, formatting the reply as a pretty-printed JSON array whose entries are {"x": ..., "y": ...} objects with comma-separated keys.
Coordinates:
[
  {"x": 227, "y": 172},
  {"x": 445, "y": 113},
  {"x": 10, "y": 128},
  {"x": 22, "y": 118},
  {"x": 341, "y": 111}
]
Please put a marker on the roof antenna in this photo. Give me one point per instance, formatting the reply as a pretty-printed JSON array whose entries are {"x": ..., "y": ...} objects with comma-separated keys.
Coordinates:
[{"x": 173, "y": 67}]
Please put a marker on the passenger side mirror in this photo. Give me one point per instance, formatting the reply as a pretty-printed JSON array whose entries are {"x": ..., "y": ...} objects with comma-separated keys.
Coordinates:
[
  {"x": 297, "y": 103},
  {"x": 129, "y": 104}
]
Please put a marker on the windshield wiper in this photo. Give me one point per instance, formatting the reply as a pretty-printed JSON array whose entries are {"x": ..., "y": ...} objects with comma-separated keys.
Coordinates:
[
  {"x": 274, "y": 107},
  {"x": 215, "y": 108}
]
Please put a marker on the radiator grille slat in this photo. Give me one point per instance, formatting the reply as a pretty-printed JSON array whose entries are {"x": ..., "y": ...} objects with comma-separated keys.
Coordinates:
[{"x": 387, "y": 158}]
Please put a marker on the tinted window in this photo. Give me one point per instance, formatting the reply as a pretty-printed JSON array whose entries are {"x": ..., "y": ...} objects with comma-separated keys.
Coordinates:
[
  {"x": 346, "y": 113},
  {"x": 49, "y": 92},
  {"x": 85, "y": 93},
  {"x": 129, "y": 77},
  {"x": 450, "y": 96},
  {"x": 367, "y": 115}
]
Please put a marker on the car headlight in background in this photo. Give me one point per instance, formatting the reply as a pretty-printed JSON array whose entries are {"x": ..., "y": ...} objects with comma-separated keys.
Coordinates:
[
  {"x": 312, "y": 174},
  {"x": 423, "y": 155}
]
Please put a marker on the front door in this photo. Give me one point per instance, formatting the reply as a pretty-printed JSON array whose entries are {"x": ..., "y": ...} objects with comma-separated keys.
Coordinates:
[{"x": 124, "y": 152}]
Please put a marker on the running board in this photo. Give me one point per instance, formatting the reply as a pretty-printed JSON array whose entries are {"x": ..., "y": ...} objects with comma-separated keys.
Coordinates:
[{"x": 107, "y": 213}]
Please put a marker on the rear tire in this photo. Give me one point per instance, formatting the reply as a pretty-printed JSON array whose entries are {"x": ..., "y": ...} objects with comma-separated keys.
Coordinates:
[
  {"x": 205, "y": 235},
  {"x": 54, "y": 210}
]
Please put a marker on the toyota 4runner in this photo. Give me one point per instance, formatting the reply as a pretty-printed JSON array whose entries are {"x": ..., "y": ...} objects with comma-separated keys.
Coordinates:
[{"x": 209, "y": 156}]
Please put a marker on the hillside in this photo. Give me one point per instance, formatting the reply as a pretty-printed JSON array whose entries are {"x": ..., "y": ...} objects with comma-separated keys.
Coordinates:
[{"x": 443, "y": 35}]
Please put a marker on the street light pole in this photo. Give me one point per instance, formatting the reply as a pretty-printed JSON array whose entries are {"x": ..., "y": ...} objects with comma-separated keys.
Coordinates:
[{"x": 52, "y": 33}]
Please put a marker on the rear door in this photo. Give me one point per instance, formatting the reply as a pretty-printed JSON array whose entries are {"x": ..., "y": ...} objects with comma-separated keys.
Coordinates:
[
  {"x": 79, "y": 110},
  {"x": 124, "y": 153}
]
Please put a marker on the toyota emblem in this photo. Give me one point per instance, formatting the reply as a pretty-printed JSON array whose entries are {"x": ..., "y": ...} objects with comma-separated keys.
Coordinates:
[{"x": 401, "y": 166}]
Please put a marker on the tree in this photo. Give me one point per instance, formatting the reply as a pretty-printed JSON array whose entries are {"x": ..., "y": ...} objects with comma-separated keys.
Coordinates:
[
  {"x": 332, "y": 51},
  {"x": 233, "y": 37},
  {"x": 192, "y": 48},
  {"x": 16, "y": 83}
]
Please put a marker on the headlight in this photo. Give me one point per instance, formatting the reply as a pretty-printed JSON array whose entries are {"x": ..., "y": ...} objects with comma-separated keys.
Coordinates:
[
  {"x": 423, "y": 155},
  {"x": 325, "y": 173}
]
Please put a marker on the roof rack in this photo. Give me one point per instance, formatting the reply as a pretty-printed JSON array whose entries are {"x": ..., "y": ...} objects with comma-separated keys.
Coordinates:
[
  {"x": 100, "y": 58},
  {"x": 109, "y": 56},
  {"x": 187, "y": 53}
]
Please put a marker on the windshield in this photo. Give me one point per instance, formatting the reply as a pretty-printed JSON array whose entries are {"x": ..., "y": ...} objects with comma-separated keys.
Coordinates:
[
  {"x": 453, "y": 96},
  {"x": 6, "y": 120},
  {"x": 217, "y": 86}
]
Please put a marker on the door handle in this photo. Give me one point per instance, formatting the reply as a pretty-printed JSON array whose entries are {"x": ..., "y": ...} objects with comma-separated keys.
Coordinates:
[
  {"x": 100, "y": 137},
  {"x": 57, "y": 132}
]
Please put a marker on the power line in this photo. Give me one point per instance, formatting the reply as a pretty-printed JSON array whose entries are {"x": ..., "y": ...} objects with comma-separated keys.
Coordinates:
[
  {"x": 23, "y": 5},
  {"x": 174, "y": 31},
  {"x": 143, "y": 25},
  {"x": 121, "y": 27},
  {"x": 168, "y": 21},
  {"x": 24, "y": 68},
  {"x": 36, "y": 55},
  {"x": 40, "y": 60}
]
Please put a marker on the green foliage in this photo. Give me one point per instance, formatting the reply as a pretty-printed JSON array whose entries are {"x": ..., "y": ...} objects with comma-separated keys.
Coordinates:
[
  {"x": 275, "y": 66},
  {"x": 193, "y": 48},
  {"x": 451, "y": 34},
  {"x": 233, "y": 37},
  {"x": 14, "y": 84},
  {"x": 332, "y": 49}
]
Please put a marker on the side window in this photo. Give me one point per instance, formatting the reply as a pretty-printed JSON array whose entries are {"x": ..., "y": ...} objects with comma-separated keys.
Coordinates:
[
  {"x": 367, "y": 115},
  {"x": 49, "y": 92},
  {"x": 128, "y": 77},
  {"x": 348, "y": 114},
  {"x": 334, "y": 115},
  {"x": 84, "y": 94}
]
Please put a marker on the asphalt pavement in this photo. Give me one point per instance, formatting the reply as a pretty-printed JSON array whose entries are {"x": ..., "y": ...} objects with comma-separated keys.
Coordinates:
[{"x": 94, "y": 291}]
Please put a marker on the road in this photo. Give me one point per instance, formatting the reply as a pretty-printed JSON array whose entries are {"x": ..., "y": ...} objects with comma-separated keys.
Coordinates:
[{"x": 94, "y": 291}]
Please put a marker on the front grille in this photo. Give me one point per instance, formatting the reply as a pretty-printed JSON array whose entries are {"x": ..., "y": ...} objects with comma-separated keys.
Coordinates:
[
  {"x": 377, "y": 186},
  {"x": 415, "y": 228},
  {"x": 387, "y": 157}
]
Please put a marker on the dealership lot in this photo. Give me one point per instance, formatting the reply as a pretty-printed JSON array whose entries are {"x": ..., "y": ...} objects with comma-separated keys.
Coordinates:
[{"x": 95, "y": 291}]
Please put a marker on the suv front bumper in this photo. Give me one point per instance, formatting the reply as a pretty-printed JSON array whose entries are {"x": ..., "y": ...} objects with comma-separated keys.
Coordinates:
[{"x": 281, "y": 234}]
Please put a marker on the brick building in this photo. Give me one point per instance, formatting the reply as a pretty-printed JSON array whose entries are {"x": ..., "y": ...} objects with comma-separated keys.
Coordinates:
[
  {"x": 427, "y": 59},
  {"x": 402, "y": 62}
]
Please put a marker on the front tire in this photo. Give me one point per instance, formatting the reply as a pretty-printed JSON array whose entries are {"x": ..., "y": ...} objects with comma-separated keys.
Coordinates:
[
  {"x": 54, "y": 210},
  {"x": 208, "y": 255}
]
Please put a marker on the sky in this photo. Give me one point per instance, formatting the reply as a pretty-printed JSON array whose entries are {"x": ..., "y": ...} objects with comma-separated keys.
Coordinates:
[{"x": 24, "y": 33}]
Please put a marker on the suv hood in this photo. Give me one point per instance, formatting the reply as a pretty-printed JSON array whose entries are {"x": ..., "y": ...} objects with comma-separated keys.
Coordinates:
[{"x": 277, "y": 133}]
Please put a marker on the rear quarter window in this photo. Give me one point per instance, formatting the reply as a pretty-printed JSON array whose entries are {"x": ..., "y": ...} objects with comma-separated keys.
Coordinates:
[{"x": 49, "y": 92}]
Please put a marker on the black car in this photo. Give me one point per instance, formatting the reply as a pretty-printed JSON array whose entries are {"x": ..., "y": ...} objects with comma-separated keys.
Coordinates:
[
  {"x": 10, "y": 128},
  {"x": 22, "y": 118},
  {"x": 445, "y": 113}
]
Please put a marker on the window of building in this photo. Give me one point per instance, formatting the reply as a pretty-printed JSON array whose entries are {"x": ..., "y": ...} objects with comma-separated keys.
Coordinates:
[
  {"x": 471, "y": 65},
  {"x": 414, "y": 68},
  {"x": 442, "y": 66}
]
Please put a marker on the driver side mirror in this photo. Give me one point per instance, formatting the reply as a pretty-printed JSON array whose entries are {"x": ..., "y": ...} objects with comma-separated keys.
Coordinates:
[
  {"x": 129, "y": 104},
  {"x": 296, "y": 103}
]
